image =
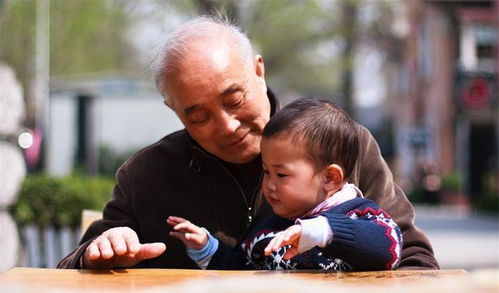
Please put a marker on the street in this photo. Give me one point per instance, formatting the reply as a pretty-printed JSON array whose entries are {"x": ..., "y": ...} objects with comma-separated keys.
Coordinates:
[{"x": 460, "y": 239}]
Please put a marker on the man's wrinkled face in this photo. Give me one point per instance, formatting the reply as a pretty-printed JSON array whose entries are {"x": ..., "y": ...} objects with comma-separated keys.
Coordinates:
[{"x": 222, "y": 101}]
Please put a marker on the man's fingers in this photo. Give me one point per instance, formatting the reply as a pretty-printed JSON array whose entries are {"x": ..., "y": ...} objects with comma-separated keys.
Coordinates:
[
  {"x": 119, "y": 247},
  {"x": 132, "y": 243},
  {"x": 93, "y": 251},
  {"x": 104, "y": 246},
  {"x": 117, "y": 243},
  {"x": 150, "y": 250}
]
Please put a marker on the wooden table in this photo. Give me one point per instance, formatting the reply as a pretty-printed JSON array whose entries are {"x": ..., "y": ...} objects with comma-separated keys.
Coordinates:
[{"x": 169, "y": 280}]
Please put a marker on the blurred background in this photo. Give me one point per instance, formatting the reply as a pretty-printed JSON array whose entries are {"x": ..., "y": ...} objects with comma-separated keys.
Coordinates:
[{"x": 77, "y": 98}]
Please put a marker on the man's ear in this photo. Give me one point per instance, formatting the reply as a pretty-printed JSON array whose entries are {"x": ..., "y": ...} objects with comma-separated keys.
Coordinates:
[
  {"x": 167, "y": 104},
  {"x": 259, "y": 66},
  {"x": 334, "y": 178}
]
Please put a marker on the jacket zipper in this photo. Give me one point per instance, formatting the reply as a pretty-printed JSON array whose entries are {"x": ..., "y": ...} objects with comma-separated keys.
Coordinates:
[
  {"x": 251, "y": 211},
  {"x": 249, "y": 206}
]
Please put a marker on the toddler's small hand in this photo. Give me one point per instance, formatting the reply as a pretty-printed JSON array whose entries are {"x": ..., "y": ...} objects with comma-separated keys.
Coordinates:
[
  {"x": 191, "y": 235},
  {"x": 290, "y": 236}
]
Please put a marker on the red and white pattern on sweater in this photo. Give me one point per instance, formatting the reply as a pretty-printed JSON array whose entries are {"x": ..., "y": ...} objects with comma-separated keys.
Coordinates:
[
  {"x": 312, "y": 259},
  {"x": 383, "y": 219},
  {"x": 275, "y": 261}
]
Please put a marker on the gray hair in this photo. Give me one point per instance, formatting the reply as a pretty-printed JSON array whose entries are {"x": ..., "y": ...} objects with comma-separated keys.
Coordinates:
[{"x": 178, "y": 41}]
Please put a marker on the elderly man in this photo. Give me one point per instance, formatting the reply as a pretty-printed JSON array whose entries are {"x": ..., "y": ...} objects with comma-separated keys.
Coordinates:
[{"x": 210, "y": 172}]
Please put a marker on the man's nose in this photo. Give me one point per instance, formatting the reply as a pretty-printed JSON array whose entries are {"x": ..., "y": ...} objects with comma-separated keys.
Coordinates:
[{"x": 228, "y": 123}]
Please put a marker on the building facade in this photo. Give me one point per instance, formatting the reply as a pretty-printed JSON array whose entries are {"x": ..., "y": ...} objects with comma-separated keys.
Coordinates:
[{"x": 445, "y": 102}]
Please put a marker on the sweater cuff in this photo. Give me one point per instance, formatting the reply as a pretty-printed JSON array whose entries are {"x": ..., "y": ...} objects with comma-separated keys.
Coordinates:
[
  {"x": 343, "y": 241},
  {"x": 314, "y": 232},
  {"x": 75, "y": 259},
  {"x": 203, "y": 256}
]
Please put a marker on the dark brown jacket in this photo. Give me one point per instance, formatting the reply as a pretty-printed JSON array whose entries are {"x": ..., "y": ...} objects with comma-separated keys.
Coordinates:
[{"x": 175, "y": 176}]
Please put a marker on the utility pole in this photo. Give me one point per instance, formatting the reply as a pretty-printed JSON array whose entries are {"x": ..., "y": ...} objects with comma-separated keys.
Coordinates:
[
  {"x": 42, "y": 62},
  {"x": 349, "y": 22},
  {"x": 41, "y": 80}
]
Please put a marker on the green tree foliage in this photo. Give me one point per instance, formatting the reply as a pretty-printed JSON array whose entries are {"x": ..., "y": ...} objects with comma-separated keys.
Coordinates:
[
  {"x": 17, "y": 37},
  {"x": 308, "y": 46},
  {"x": 86, "y": 37},
  {"x": 89, "y": 36},
  {"x": 296, "y": 39}
]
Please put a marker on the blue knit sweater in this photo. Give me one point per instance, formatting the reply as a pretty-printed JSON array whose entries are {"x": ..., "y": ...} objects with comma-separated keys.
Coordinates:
[{"x": 364, "y": 238}]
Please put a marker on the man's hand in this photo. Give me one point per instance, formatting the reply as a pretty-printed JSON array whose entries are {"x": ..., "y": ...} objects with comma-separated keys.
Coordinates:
[
  {"x": 191, "y": 235},
  {"x": 290, "y": 236},
  {"x": 119, "y": 247}
]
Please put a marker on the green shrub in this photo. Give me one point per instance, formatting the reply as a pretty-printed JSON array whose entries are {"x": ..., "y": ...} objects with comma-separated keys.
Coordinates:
[
  {"x": 488, "y": 199},
  {"x": 452, "y": 182},
  {"x": 46, "y": 200},
  {"x": 416, "y": 194},
  {"x": 110, "y": 160}
]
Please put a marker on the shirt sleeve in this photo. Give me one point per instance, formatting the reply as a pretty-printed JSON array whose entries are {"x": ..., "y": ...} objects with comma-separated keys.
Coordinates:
[{"x": 315, "y": 232}]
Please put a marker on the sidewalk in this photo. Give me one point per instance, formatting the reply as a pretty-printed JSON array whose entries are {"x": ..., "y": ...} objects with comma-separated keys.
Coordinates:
[{"x": 460, "y": 240}]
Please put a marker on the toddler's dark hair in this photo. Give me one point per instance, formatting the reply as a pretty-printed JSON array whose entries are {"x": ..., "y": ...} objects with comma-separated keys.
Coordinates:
[{"x": 326, "y": 132}]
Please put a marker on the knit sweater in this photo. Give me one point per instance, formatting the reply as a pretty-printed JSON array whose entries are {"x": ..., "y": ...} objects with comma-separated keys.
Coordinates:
[{"x": 364, "y": 238}]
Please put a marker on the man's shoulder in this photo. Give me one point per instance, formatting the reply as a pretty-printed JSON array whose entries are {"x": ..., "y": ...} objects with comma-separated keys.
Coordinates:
[
  {"x": 363, "y": 133},
  {"x": 172, "y": 147}
]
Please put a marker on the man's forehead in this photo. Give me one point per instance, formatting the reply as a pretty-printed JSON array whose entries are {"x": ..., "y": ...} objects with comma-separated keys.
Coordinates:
[
  {"x": 220, "y": 58},
  {"x": 193, "y": 104},
  {"x": 205, "y": 65},
  {"x": 210, "y": 51}
]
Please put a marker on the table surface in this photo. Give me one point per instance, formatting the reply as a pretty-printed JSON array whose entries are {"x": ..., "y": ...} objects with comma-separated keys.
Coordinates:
[{"x": 174, "y": 280}]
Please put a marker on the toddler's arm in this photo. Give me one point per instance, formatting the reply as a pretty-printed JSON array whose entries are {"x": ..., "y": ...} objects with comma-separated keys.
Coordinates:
[
  {"x": 303, "y": 236},
  {"x": 366, "y": 237}
]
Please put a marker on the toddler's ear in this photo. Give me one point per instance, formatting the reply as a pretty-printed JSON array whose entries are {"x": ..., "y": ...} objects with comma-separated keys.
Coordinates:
[{"x": 334, "y": 178}]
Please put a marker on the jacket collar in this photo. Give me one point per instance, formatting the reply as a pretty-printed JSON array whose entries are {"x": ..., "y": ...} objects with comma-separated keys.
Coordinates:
[{"x": 274, "y": 102}]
